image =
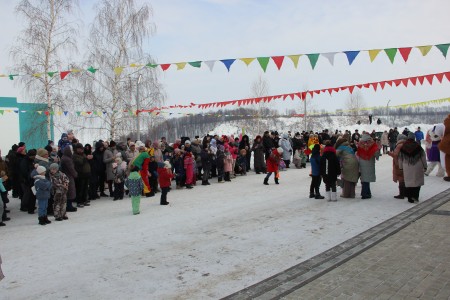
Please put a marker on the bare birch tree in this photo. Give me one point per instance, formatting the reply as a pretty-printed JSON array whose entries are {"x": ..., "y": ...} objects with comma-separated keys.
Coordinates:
[
  {"x": 115, "y": 50},
  {"x": 355, "y": 103},
  {"x": 49, "y": 34},
  {"x": 260, "y": 88}
]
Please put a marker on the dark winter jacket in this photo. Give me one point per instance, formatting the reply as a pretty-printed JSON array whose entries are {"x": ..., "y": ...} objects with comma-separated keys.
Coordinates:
[
  {"x": 43, "y": 187},
  {"x": 329, "y": 164},
  {"x": 68, "y": 168},
  {"x": 315, "y": 161},
  {"x": 98, "y": 166},
  {"x": 81, "y": 165},
  {"x": 26, "y": 166}
]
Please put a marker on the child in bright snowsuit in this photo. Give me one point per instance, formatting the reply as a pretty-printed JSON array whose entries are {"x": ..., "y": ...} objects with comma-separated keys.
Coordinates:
[
  {"x": 60, "y": 186},
  {"x": 272, "y": 164},
  {"x": 228, "y": 163},
  {"x": 316, "y": 179},
  {"x": 141, "y": 162},
  {"x": 135, "y": 185},
  {"x": 165, "y": 178},
  {"x": 43, "y": 187}
]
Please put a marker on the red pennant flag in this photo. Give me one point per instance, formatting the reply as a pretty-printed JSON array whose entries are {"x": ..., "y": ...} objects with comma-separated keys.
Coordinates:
[
  {"x": 336, "y": 90},
  {"x": 317, "y": 92},
  {"x": 374, "y": 85},
  {"x": 389, "y": 82},
  {"x": 405, "y": 52},
  {"x": 285, "y": 96},
  {"x": 323, "y": 90},
  {"x": 89, "y": 112},
  {"x": 413, "y": 80},
  {"x": 311, "y": 94},
  {"x": 269, "y": 99},
  {"x": 303, "y": 96},
  {"x": 343, "y": 88},
  {"x": 64, "y": 74},
  {"x": 257, "y": 100},
  {"x": 299, "y": 95},
  {"x": 359, "y": 86},
  {"x": 351, "y": 88},
  {"x": 447, "y": 75},
  {"x": 278, "y": 60},
  {"x": 421, "y": 79},
  {"x": 439, "y": 77},
  {"x": 366, "y": 85},
  {"x": 47, "y": 112},
  {"x": 292, "y": 96},
  {"x": 330, "y": 91},
  {"x": 382, "y": 83},
  {"x": 429, "y": 78},
  {"x": 405, "y": 82},
  {"x": 164, "y": 67},
  {"x": 397, "y": 82}
]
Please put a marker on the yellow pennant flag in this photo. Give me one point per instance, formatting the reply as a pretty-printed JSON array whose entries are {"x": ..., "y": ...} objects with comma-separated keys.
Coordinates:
[
  {"x": 181, "y": 65},
  {"x": 247, "y": 61},
  {"x": 118, "y": 70},
  {"x": 37, "y": 74},
  {"x": 75, "y": 70},
  {"x": 3, "y": 75},
  {"x": 424, "y": 49},
  {"x": 373, "y": 54},
  {"x": 294, "y": 59}
]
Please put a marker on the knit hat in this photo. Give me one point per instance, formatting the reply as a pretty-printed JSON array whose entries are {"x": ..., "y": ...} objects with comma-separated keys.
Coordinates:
[
  {"x": 41, "y": 152},
  {"x": 31, "y": 152},
  {"x": 280, "y": 150},
  {"x": 139, "y": 144},
  {"x": 112, "y": 144},
  {"x": 41, "y": 170},
  {"x": 78, "y": 146},
  {"x": 401, "y": 137},
  {"x": 20, "y": 149},
  {"x": 54, "y": 166},
  {"x": 365, "y": 138},
  {"x": 187, "y": 142},
  {"x": 411, "y": 136},
  {"x": 167, "y": 165}
]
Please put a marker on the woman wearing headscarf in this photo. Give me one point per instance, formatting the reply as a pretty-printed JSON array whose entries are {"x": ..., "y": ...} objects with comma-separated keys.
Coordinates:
[
  {"x": 397, "y": 173},
  {"x": 368, "y": 152},
  {"x": 349, "y": 167},
  {"x": 412, "y": 160}
]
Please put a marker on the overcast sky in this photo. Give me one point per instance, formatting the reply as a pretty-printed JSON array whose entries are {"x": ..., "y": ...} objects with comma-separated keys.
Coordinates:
[{"x": 189, "y": 30}]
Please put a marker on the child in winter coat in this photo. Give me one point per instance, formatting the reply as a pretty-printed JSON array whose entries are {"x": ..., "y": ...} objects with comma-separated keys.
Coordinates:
[
  {"x": 242, "y": 162},
  {"x": 43, "y": 187},
  {"x": 316, "y": 179},
  {"x": 4, "y": 192},
  {"x": 60, "y": 186},
  {"x": 135, "y": 186},
  {"x": 228, "y": 164},
  {"x": 330, "y": 169},
  {"x": 119, "y": 171},
  {"x": 272, "y": 163},
  {"x": 165, "y": 178}
]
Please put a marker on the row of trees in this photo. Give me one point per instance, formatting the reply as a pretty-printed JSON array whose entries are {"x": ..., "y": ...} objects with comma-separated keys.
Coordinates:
[{"x": 116, "y": 38}]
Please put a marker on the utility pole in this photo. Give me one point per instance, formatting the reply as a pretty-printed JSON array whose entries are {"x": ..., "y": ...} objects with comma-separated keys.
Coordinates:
[
  {"x": 387, "y": 108},
  {"x": 138, "y": 129}
]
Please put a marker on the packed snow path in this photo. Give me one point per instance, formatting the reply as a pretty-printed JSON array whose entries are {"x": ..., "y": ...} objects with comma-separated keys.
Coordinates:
[{"x": 208, "y": 243}]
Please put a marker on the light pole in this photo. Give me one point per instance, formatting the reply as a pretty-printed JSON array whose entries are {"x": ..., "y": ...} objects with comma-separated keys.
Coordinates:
[
  {"x": 138, "y": 129},
  {"x": 387, "y": 109}
]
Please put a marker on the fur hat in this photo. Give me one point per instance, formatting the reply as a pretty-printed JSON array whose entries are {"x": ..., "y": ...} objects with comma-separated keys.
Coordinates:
[
  {"x": 187, "y": 142},
  {"x": 167, "y": 165},
  {"x": 280, "y": 150},
  {"x": 54, "y": 166},
  {"x": 401, "y": 137},
  {"x": 41, "y": 170},
  {"x": 365, "y": 138},
  {"x": 411, "y": 136},
  {"x": 139, "y": 144},
  {"x": 41, "y": 152}
]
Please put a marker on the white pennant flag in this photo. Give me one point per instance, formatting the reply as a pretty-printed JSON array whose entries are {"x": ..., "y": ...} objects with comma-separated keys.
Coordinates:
[
  {"x": 210, "y": 64},
  {"x": 330, "y": 57}
]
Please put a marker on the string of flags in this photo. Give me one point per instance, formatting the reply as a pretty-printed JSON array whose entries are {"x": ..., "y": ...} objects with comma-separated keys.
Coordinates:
[
  {"x": 156, "y": 112},
  {"x": 263, "y": 61},
  {"x": 430, "y": 78}
]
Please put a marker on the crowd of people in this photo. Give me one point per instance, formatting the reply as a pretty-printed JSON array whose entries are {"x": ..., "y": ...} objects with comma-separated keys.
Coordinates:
[{"x": 66, "y": 176}]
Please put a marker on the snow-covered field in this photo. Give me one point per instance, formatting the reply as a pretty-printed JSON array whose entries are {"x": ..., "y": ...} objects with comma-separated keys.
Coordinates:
[{"x": 209, "y": 242}]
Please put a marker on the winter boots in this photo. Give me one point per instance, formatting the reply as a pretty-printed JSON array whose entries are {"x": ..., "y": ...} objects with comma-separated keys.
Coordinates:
[
  {"x": 401, "y": 191},
  {"x": 135, "y": 203},
  {"x": 266, "y": 181},
  {"x": 331, "y": 196},
  {"x": 276, "y": 181},
  {"x": 42, "y": 221}
]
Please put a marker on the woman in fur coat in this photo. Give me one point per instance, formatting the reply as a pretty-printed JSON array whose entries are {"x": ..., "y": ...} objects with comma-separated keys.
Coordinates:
[
  {"x": 412, "y": 160},
  {"x": 258, "y": 156},
  {"x": 349, "y": 167},
  {"x": 397, "y": 173}
]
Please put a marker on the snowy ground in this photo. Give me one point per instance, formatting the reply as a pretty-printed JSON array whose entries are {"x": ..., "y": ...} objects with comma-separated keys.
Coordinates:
[{"x": 209, "y": 242}]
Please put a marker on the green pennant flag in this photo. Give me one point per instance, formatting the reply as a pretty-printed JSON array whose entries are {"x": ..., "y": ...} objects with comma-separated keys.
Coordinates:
[
  {"x": 391, "y": 52},
  {"x": 313, "y": 57},
  {"x": 263, "y": 62},
  {"x": 11, "y": 77},
  {"x": 150, "y": 65},
  {"x": 78, "y": 113},
  {"x": 92, "y": 70},
  {"x": 51, "y": 73},
  {"x": 195, "y": 64},
  {"x": 443, "y": 48}
]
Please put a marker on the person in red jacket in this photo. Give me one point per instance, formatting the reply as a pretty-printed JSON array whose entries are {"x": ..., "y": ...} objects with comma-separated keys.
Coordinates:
[
  {"x": 165, "y": 176},
  {"x": 272, "y": 164}
]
